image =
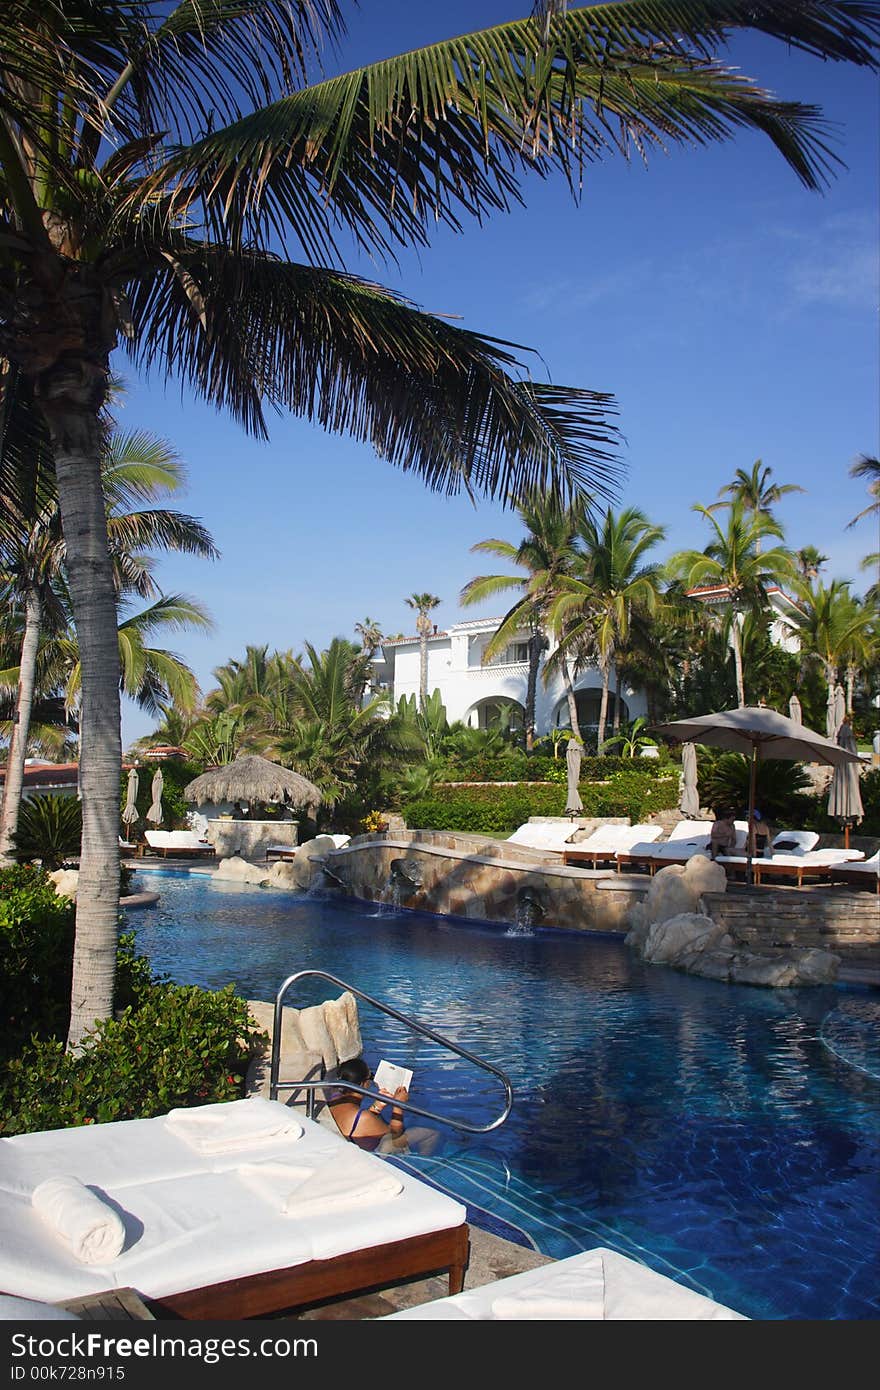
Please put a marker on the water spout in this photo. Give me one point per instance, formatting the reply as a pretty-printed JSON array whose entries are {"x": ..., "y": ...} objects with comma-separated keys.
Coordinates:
[
  {"x": 331, "y": 874},
  {"x": 404, "y": 878},
  {"x": 529, "y": 911}
]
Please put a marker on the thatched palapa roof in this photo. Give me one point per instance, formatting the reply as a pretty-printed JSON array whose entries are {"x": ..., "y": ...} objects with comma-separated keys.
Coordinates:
[{"x": 253, "y": 779}]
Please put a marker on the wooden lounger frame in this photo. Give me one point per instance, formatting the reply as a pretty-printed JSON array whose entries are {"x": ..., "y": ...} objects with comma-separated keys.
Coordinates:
[{"x": 377, "y": 1266}]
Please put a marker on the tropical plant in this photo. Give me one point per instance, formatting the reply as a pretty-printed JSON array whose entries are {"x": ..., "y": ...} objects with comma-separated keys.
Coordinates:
[
  {"x": 632, "y": 738},
  {"x": 49, "y": 829},
  {"x": 609, "y": 580},
  {"x": 810, "y": 561},
  {"x": 756, "y": 494},
  {"x": 781, "y": 787},
  {"x": 835, "y": 631},
  {"x": 157, "y": 160},
  {"x": 545, "y": 553},
  {"x": 136, "y": 467},
  {"x": 867, "y": 467},
  {"x": 734, "y": 564},
  {"x": 423, "y": 604}
]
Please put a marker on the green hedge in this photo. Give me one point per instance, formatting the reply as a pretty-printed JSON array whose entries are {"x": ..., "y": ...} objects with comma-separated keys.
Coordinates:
[{"x": 499, "y": 810}]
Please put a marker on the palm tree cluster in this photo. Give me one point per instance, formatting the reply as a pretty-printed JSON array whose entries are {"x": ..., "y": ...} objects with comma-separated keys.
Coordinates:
[
  {"x": 675, "y": 628},
  {"x": 178, "y": 178}
]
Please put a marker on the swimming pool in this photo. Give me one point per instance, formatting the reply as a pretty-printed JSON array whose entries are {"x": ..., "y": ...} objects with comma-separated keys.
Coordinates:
[{"x": 727, "y": 1135}]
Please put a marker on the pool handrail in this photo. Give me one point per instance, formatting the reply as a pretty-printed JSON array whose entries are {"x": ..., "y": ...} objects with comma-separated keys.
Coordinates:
[{"x": 310, "y": 1087}]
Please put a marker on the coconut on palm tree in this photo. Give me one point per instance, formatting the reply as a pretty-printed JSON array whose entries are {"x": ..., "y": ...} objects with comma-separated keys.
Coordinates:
[
  {"x": 423, "y": 604},
  {"x": 171, "y": 178},
  {"x": 736, "y": 567},
  {"x": 545, "y": 553}
]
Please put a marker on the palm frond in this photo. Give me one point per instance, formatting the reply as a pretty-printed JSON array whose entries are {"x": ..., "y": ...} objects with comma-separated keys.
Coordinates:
[{"x": 445, "y": 402}]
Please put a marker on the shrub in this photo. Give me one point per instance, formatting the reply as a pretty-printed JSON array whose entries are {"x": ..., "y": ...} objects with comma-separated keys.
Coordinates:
[
  {"x": 36, "y": 957},
  {"x": 181, "y": 1046},
  {"x": 49, "y": 829},
  {"x": 780, "y": 786},
  {"x": 633, "y": 792}
]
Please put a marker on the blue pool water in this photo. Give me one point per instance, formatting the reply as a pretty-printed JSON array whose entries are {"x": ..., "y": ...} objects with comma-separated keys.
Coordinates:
[{"x": 727, "y": 1135}]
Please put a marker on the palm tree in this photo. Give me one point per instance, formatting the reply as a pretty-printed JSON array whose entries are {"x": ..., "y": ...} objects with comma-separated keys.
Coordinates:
[
  {"x": 609, "y": 580},
  {"x": 867, "y": 467},
  {"x": 734, "y": 563},
  {"x": 156, "y": 162},
  {"x": 136, "y": 467},
  {"x": 423, "y": 604},
  {"x": 835, "y": 631},
  {"x": 810, "y": 561},
  {"x": 370, "y": 633},
  {"x": 755, "y": 491},
  {"x": 545, "y": 553}
]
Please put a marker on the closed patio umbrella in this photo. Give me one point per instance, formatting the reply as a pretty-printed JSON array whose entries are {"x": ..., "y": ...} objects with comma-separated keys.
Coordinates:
[
  {"x": 836, "y": 712},
  {"x": 130, "y": 810},
  {"x": 573, "y": 803},
  {"x": 758, "y": 733},
  {"x": 795, "y": 711},
  {"x": 844, "y": 795},
  {"x": 690, "y": 797},
  {"x": 155, "y": 812}
]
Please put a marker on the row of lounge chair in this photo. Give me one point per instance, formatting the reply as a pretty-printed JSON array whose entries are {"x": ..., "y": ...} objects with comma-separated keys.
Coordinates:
[
  {"x": 638, "y": 848},
  {"x": 247, "y": 1209}
]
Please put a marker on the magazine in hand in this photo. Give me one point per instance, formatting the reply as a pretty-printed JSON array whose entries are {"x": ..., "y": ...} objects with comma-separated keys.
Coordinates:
[{"x": 388, "y": 1076}]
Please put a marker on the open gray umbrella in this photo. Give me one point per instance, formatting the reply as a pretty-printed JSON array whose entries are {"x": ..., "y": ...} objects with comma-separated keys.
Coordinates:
[
  {"x": 795, "y": 711},
  {"x": 573, "y": 753},
  {"x": 844, "y": 795},
  {"x": 690, "y": 797},
  {"x": 760, "y": 734},
  {"x": 155, "y": 812},
  {"x": 130, "y": 810}
]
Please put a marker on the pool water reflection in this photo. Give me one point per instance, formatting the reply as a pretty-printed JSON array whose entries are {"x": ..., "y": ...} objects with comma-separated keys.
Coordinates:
[{"x": 704, "y": 1128}]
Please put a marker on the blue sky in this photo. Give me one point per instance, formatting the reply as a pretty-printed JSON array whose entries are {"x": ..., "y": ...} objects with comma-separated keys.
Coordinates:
[{"x": 731, "y": 312}]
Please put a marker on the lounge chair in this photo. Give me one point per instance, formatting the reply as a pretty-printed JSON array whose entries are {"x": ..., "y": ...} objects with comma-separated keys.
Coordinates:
[
  {"x": 859, "y": 875},
  {"x": 689, "y": 837},
  {"x": 550, "y": 835},
  {"x": 598, "y": 1285},
  {"x": 177, "y": 842},
  {"x": 816, "y": 865},
  {"x": 606, "y": 842},
  {"x": 207, "y": 1234}
]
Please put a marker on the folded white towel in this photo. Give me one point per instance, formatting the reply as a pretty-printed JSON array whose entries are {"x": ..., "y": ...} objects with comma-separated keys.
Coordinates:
[
  {"x": 342, "y": 1182},
  {"x": 231, "y": 1125},
  {"x": 558, "y": 1294},
  {"x": 93, "y": 1231}
]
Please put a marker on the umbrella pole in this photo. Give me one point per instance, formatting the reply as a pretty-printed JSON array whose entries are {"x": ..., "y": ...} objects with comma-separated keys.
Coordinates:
[{"x": 753, "y": 774}]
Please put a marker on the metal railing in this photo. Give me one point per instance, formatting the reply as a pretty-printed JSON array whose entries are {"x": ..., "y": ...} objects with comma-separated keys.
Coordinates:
[{"x": 310, "y": 1087}]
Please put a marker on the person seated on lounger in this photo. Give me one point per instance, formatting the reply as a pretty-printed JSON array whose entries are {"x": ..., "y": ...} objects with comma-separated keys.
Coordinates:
[
  {"x": 364, "y": 1123},
  {"x": 722, "y": 836},
  {"x": 762, "y": 835}
]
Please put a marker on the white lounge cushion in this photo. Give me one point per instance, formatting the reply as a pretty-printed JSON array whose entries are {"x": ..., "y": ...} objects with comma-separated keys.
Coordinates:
[
  {"x": 31, "y": 1310},
  {"x": 344, "y": 1182},
  {"x": 543, "y": 834},
  {"x": 633, "y": 1293},
  {"x": 185, "y": 1232},
  {"x": 867, "y": 866},
  {"x": 564, "y": 1292},
  {"x": 795, "y": 841},
  {"x": 613, "y": 838}
]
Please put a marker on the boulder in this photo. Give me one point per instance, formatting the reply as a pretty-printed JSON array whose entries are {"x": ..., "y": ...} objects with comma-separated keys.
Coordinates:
[
  {"x": 685, "y": 934},
  {"x": 65, "y": 881},
  {"x": 778, "y": 971},
  {"x": 703, "y": 875},
  {"x": 240, "y": 870},
  {"x": 670, "y": 895},
  {"x": 816, "y": 967}
]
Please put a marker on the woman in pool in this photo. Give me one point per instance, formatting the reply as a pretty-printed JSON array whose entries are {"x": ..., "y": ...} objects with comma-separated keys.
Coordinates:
[
  {"x": 364, "y": 1124},
  {"x": 359, "y": 1121}
]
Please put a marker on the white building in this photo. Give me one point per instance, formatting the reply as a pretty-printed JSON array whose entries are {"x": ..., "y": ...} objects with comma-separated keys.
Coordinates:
[{"x": 474, "y": 690}]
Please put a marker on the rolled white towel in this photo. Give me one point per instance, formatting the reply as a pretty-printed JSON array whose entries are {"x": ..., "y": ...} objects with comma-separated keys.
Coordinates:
[
  {"x": 557, "y": 1294},
  {"x": 232, "y": 1125},
  {"x": 349, "y": 1180},
  {"x": 91, "y": 1229}
]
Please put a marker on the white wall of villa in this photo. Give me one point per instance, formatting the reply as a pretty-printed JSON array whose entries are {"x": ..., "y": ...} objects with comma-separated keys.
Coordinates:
[{"x": 471, "y": 688}]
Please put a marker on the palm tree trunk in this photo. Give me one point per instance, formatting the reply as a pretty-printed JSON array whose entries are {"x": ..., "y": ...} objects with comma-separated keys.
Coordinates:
[
  {"x": 33, "y": 609},
  {"x": 617, "y": 684},
  {"x": 423, "y": 671},
  {"x": 532, "y": 688},
  {"x": 850, "y": 688},
  {"x": 71, "y": 394},
  {"x": 603, "y": 704},
  {"x": 738, "y": 662}
]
